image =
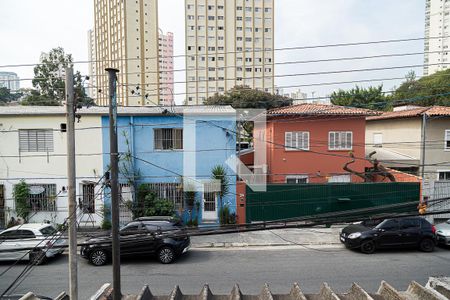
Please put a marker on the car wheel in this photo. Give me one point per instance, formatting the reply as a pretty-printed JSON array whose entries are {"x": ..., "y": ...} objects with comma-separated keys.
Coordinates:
[
  {"x": 426, "y": 245},
  {"x": 98, "y": 257},
  {"x": 166, "y": 255},
  {"x": 37, "y": 257},
  {"x": 368, "y": 247}
]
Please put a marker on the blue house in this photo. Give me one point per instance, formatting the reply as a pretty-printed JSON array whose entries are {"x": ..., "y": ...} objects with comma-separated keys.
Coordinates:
[{"x": 174, "y": 150}]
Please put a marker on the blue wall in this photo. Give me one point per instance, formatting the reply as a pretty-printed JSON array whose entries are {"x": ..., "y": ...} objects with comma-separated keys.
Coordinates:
[{"x": 214, "y": 145}]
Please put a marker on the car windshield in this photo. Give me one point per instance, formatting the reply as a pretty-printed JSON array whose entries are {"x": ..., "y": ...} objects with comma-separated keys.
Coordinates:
[{"x": 46, "y": 231}]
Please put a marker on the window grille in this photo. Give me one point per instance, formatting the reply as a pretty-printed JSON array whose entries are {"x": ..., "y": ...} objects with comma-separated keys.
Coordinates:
[
  {"x": 209, "y": 195},
  {"x": 297, "y": 179},
  {"x": 169, "y": 191},
  {"x": 445, "y": 175},
  {"x": 168, "y": 139},
  {"x": 88, "y": 198},
  {"x": 42, "y": 197},
  {"x": 35, "y": 140}
]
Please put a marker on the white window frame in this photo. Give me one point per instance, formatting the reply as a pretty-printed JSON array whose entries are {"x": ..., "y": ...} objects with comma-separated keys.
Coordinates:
[
  {"x": 340, "y": 176},
  {"x": 173, "y": 140},
  {"x": 440, "y": 171},
  {"x": 292, "y": 138},
  {"x": 446, "y": 139},
  {"x": 36, "y": 140},
  {"x": 378, "y": 142},
  {"x": 297, "y": 177},
  {"x": 340, "y": 147}
]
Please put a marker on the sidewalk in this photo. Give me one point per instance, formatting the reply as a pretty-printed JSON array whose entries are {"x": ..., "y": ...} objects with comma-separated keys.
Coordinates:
[{"x": 317, "y": 236}]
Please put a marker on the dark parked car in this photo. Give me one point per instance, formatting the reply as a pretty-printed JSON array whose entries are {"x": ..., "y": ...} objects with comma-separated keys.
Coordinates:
[
  {"x": 163, "y": 238},
  {"x": 391, "y": 233}
]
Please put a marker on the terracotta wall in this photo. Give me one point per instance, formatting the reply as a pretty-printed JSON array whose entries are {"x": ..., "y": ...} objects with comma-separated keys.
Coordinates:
[
  {"x": 240, "y": 202},
  {"x": 401, "y": 177},
  {"x": 319, "y": 163}
]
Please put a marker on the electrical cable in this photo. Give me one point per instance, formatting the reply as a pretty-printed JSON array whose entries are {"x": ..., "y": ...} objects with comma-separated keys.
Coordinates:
[{"x": 386, "y": 41}]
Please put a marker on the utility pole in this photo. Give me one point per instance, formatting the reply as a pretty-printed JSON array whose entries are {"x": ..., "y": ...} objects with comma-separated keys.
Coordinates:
[
  {"x": 71, "y": 175},
  {"x": 114, "y": 160},
  {"x": 424, "y": 143}
]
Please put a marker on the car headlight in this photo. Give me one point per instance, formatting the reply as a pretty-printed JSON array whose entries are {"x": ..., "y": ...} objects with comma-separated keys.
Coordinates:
[{"x": 354, "y": 235}]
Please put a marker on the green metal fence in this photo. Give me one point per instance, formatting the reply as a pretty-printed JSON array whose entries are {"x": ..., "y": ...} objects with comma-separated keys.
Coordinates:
[{"x": 282, "y": 201}]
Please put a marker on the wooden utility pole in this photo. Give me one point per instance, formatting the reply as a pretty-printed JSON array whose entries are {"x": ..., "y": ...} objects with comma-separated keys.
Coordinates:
[
  {"x": 71, "y": 190},
  {"x": 114, "y": 160}
]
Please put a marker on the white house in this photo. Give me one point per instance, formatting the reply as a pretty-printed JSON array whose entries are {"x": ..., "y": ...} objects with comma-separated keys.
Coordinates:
[{"x": 33, "y": 148}]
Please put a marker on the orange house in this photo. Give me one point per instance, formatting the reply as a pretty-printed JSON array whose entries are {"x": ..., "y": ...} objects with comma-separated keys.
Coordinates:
[{"x": 311, "y": 143}]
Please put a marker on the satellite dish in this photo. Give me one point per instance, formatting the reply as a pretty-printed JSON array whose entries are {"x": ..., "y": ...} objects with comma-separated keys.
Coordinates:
[{"x": 36, "y": 189}]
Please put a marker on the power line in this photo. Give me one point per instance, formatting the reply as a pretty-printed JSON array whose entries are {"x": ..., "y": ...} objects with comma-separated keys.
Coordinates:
[
  {"x": 386, "y": 41},
  {"x": 272, "y": 75}
]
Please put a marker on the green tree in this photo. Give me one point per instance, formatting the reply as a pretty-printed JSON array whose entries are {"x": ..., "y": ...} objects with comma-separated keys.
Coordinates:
[
  {"x": 7, "y": 96},
  {"x": 36, "y": 99},
  {"x": 220, "y": 174},
  {"x": 21, "y": 192},
  {"x": 370, "y": 98},
  {"x": 245, "y": 97},
  {"x": 49, "y": 82},
  {"x": 429, "y": 90}
]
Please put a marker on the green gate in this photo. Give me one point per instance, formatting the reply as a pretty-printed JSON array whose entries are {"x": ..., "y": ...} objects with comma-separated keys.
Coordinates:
[{"x": 284, "y": 201}]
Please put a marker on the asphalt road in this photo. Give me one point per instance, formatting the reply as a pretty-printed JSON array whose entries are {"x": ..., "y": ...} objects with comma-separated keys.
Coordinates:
[{"x": 251, "y": 268}]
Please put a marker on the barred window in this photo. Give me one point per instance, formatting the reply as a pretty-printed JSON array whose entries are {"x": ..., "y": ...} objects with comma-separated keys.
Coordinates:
[
  {"x": 88, "y": 198},
  {"x": 168, "y": 139},
  {"x": 340, "y": 140},
  {"x": 42, "y": 197},
  {"x": 35, "y": 140}
]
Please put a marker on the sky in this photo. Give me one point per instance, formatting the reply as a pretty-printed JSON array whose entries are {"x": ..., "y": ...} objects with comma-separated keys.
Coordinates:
[{"x": 29, "y": 27}]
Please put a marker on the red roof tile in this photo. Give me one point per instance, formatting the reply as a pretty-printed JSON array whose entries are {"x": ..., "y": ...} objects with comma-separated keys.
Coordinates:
[
  {"x": 320, "y": 109},
  {"x": 416, "y": 112}
]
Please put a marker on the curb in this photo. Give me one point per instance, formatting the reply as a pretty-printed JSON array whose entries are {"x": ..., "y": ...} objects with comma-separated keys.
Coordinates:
[{"x": 246, "y": 245}]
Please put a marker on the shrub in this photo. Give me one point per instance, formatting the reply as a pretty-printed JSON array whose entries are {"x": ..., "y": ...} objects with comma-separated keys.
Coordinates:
[
  {"x": 106, "y": 224},
  {"x": 148, "y": 204},
  {"x": 61, "y": 227},
  {"x": 21, "y": 192},
  {"x": 226, "y": 217}
]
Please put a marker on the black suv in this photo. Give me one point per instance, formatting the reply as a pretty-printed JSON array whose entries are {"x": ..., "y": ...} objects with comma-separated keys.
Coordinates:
[
  {"x": 164, "y": 238},
  {"x": 391, "y": 233}
]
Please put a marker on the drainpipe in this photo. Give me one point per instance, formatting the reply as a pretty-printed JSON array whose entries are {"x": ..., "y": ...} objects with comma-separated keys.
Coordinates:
[
  {"x": 132, "y": 136},
  {"x": 424, "y": 138},
  {"x": 133, "y": 160}
]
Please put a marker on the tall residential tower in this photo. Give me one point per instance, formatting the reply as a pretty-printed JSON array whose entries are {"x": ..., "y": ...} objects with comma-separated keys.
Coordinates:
[
  {"x": 228, "y": 43},
  {"x": 437, "y": 26},
  {"x": 126, "y": 37},
  {"x": 10, "y": 80},
  {"x": 166, "y": 68}
]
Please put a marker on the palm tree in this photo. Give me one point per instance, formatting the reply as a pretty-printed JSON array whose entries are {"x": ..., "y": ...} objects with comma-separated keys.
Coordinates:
[{"x": 220, "y": 174}]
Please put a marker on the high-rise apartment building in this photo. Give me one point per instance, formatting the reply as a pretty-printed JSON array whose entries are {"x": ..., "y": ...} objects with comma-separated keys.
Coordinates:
[
  {"x": 92, "y": 72},
  {"x": 10, "y": 80},
  {"x": 166, "y": 68},
  {"x": 437, "y": 36},
  {"x": 228, "y": 43},
  {"x": 126, "y": 38}
]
